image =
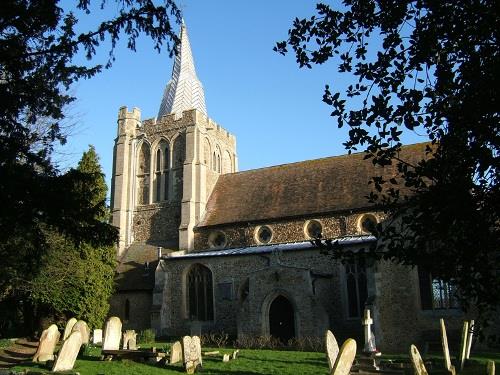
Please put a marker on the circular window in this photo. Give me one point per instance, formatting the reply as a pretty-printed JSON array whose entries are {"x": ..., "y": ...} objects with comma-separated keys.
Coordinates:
[
  {"x": 314, "y": 229},
  {"x": 217, "y": 239},
  {"x": 368, "y": 224},
  {"x": 263, "y": 234}
]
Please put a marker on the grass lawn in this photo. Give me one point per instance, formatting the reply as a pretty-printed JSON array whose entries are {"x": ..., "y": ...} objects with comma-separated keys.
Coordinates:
[{"x": 249, "y": 362}]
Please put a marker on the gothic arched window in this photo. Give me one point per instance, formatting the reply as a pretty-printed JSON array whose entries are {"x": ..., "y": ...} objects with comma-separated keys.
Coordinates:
[
  {"x": 200, "y": 293},
  {"x": 143, "y": 169},
  {"x": 161, "y": 171},
  {"x": 357, "y": 290},
  {"x": 127, "y": 310},
  {"x": 158, "y": 176}
]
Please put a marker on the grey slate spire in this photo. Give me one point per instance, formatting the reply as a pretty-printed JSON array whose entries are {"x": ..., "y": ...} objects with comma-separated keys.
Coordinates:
[{"x": 184, "y": 90}]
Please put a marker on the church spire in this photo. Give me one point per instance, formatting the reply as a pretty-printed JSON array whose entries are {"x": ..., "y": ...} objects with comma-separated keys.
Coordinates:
[{"x": 184, "y": 90}]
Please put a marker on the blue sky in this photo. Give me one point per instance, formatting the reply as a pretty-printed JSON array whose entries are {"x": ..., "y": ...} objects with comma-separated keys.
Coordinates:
[{"x": 272, "y": 107}]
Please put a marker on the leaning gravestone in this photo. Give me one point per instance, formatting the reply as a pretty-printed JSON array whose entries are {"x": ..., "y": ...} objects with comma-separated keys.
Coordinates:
[
  {"x": 469, "y": 339},
  {"x": 69, "y": 327},
  {"x": 345, "y": 358},
  {"x": 446, "y": 351},
  {"x": 129, "y": 340},
  {"x": 235, "y": 354},
  {"x": 176, "y": 352},
  {"x": 332, "y": 348},
  {"x": 97, "y": 337},
  {"x": 68, "y": 353},
  {"x": 463, "y": 345},
  {"x": 191, "y": 351},
  {"x": 47, "y": 344},
  {"x": 112, "y": 334},
  {"x": 83, "y": 328},
  {"x": 490, "y": 368},
  {"x": 416, "y": 360}
]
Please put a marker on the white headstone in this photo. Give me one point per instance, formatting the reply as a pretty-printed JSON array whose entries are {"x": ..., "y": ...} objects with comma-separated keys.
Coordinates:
[
  {"x": 469, "y": 339},
  {"x": 332, "y": 348},
  {"x": 416, "y": 360},
  {"x": 490, "y": 368},
  {"x": 225, "y": 358},
  {"x": 367, "y": 322},
  {"x": 463, "y": 345},
  {"x": 68, "y": 353},
  {"x": 84, "y": 329},
  {"x": 130, "y": 339},
  {"x": 191, "y": 351},
  {"x": 112, "y": 334},
  {"x": 345, "y": 358},
  {"x": 69, "y": 327},
  {"x": 235, "y": 354},
  {"x": 47, "y": 344},
  {"x": 446, "y": 351},
  {"x": 97, "y": 337},
  {"x": 176, "y": 352}
]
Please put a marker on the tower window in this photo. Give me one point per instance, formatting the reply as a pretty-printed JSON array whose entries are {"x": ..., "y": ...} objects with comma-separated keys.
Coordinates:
[{"x": 200, "y": 293}]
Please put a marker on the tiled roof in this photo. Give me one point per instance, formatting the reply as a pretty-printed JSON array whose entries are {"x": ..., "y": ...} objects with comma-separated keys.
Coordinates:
[
  {"x": 328, "y": 185},
  {"x": 250, "y": 250}
]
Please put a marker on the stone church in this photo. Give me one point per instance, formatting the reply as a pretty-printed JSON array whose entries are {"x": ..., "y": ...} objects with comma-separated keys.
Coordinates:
[{"x": 205, "y": 247}]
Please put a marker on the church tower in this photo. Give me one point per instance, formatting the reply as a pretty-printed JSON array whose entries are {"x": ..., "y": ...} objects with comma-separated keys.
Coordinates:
[{"x": 165, "y": 168}]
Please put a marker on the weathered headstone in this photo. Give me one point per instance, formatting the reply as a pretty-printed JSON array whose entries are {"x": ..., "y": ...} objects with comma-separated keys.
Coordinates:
[
  {"x": 130, "y": 339},
  {"x": 370, "y": 346},
  {"x": 416, "y": 360},
  {"x": 83, "y": 328},
  {"x": 463, "y": 345},
  {"x": 176, "y": 352},
  {"x": 332, "y": 348},
  {"x": 235, "y": 354},
  {"x": 469, "y": 339},
  {"x": 69, "y": 327},
  {"x": 446, "y": 351},
  {"x": 47, "y": 344},
  {"x": 345, "y": 358},
  {"x": 225, "y": 358},
  {"x": 191, "y": 351},
  {"x": 97, "y": 337},
  {"x": 490, "y": 368},
  {"x": 112, "y": 334},
  {"x": 68, "y": 353}
]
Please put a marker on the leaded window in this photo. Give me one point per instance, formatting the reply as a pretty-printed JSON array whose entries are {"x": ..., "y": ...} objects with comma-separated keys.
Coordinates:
[
  {"x": 200, "y": 293},
  {"x": 435, "y": 293},
  {"x": 356, "y": 285}
]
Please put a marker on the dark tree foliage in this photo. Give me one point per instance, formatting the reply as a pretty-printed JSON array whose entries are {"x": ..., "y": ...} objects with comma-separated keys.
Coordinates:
[
  {"x": 38, "y": 47},
  {"x": 431, "y": 67}
]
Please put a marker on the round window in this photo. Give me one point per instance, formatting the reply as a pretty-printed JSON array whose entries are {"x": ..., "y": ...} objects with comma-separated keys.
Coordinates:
[
  {"x": 368, "y": 224},
  {"x": 314, "y": 229},
  {"x": 217, "y": 239},
  {"x": 264, "y": 234}
]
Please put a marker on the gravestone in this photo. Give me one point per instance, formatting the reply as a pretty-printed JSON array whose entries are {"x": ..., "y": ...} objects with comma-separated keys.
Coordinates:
[
  {"x": 69, "y": 327},
  {"x": 68, "y": 353},
  {"x": 463, "y": 345},
  {"x": 469, "y": 339},
  {"x": 130, "y": 339},
  {"x": 235, "y": 354},
  {"x": 225, "y": 358},
  {"x": 176, "y": 352},
  {"x": 490, "y": 368},
  {"x": 97, "y": 337},
  {"x": 345, "y": 358},
  {"x": 112, "y": 334},
  {"x": 47, "y": 344},
  {"x": 191, "y": 352},
  {"x": 416, "y": 360},
  {"x": 446, "y": 351},
  {"x": 83, "y": 328},
  {"x": 370, "y": 346},
  {"x": 332, "y": 348}
]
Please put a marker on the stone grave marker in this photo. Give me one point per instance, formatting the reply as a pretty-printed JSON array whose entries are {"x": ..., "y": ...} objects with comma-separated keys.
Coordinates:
[
  {"x": 69, "y": 327},
  {"x": 446, "y": 351},
  {"x": 129, "y": 339},
  {"x": 83, "y": 328},
  {"x": 68, "y": 353},
  {"x": 191, "y": 351},
  {"x": 225, "y": 358},
  {"x": 332, "y": 348},
  {"x": 176, "y": 352},
  {"x": 469, "y": 339},
  {"x": 416, "y": 360},
  {"x": 97, "y": 337},
  {"x": 490, "y": 368},
  {"x": 463, "y": 345},
  {"x": 47, "y": 344},
  {"x": 345, "y": 358},
  {"x": 112, "y": 334},
  {"x": 235, "y": 354},
  {"x": 367, "y": 321}
]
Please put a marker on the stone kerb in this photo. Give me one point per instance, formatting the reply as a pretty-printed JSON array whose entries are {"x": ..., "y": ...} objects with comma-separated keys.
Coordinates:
[
  {"x": 417, "y": 362},
  {"x": 332, "y": 348},
  {"x": 68, "y": 353},
  {"x": 47, "y": 344},
  {"x": 345, "y": 358},
  {"x": 112, "y": 334},
  {"x": 69, "y": 327},
  {"x": 83, "y": 328}
]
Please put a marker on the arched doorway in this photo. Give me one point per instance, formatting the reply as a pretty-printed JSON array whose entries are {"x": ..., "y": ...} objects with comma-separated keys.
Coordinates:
[{"x": 281, "y": 319}]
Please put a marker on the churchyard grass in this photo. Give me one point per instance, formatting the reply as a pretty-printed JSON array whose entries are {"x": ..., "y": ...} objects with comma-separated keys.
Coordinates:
[{"x": 249, "y": 362}]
